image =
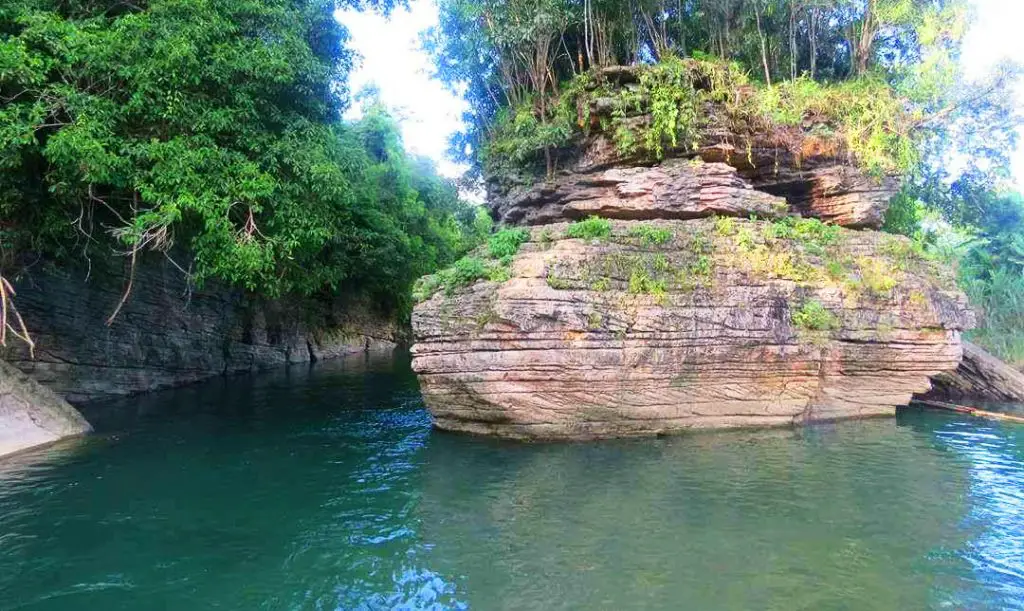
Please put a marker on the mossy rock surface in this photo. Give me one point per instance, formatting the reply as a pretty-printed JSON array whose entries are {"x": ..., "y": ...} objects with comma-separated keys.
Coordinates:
[{"x": 768, "y": 323}]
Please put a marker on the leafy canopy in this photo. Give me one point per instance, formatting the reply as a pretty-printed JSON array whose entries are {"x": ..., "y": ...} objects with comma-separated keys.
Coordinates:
[
  {"x": 211, "y": 130},
  {"x": 509, "y": 56}
]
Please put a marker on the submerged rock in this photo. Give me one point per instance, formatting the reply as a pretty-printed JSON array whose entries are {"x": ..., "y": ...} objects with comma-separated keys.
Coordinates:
[
  {"x": 669, "y": 325},
  {"x": 31, "y": 414}
]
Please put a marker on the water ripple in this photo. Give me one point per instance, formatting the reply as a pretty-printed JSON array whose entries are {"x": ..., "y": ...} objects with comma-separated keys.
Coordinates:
[{"x": 327, "y": 489}]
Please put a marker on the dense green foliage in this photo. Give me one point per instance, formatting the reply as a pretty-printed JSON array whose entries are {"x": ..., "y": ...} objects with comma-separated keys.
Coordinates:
[
  {"x": 813, "y": 316},
  {"x": 651, "y": 235},
  {"x": 591, "y": 228},
  {"x": 491, "y": 262},
  {"x": 506, "y": 242},
  {"x": 211, "y": 131},
  {"x": 523, "y": 65},
  {"x": 865, "y": 118},
  {"x": 985, "y": 242}
]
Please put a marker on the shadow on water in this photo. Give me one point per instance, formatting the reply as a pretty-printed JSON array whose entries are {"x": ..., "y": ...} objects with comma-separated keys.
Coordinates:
[{"x": 324, "y": 488}]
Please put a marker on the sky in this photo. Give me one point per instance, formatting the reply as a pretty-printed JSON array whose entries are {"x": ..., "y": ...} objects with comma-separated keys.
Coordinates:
[{"x": 392, "y": 60}]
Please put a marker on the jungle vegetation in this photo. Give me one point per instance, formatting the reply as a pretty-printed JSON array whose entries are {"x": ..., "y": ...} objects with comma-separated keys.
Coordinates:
[
  {"x": 884, "y": 73},
  {"x": 210, "y": 132}
]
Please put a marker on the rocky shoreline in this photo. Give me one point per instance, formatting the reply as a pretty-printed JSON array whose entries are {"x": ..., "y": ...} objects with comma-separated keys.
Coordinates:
[{"x": 167, "y": 334}]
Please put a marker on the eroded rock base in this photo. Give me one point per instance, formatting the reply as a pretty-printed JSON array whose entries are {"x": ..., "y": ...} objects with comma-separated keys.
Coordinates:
[{"x": 979, "y": 376}]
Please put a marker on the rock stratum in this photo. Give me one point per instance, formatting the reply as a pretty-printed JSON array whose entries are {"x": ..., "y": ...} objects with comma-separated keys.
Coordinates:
[
  {"x": 739, "y": 283},
  {"x": 169, "y": 333},
  {"x": 721, "y": 325}
]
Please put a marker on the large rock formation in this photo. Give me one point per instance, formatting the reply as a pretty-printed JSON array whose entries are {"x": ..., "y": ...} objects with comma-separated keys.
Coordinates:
[
  {"x": 664, "y": 318},
  {"x": 809, "y": 165},
  {"x": 169, "y": 333},
  {"x": 712, "y": 325},
  {"x": 32, "y": 415}
]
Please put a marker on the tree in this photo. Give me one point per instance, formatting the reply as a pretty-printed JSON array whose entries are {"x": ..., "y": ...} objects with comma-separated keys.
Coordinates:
[{"x": 208, "y": 131}]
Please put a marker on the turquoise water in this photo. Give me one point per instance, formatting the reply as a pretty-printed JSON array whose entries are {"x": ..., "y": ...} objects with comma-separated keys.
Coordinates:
[{"x": 327, "y": 489}]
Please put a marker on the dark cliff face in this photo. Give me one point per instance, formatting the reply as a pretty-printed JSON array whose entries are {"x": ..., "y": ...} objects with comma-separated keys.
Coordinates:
[{"x": 168, "y": 335}]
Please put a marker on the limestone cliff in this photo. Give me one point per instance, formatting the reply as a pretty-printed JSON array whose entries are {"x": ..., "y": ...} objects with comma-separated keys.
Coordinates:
[
  {"x": 721, "y": 324},
  {"x": 735, "y": 283},
  {"x": 168, "y": 333}
]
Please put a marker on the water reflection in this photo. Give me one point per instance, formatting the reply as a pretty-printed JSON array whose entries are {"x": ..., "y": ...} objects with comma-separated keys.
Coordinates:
[
  {"x": 326, "y": 489},
  {"x": 784, "y": 520}
]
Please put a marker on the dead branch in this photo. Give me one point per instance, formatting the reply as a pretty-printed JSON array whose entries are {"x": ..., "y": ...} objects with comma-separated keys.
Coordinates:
[
  {"x": 127, "y": 289},
  {"x": 9, "y": 310}
]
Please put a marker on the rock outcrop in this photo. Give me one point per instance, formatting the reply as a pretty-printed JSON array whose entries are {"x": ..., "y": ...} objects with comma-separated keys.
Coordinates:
[
  {"x": 676, "y": 189},
  {"x": 670, "y": 325},
  {"x": 168, "y": 333},
  {"x": 31, "y": 414},
  {"x": 674, "y": 309},
  {"x": 980, "y": 376},
  {"x": 808, "y": 165},
  {"x": 814, "y": 180}
]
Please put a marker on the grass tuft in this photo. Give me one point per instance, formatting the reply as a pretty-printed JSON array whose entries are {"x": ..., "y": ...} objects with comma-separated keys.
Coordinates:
[
  {"x": 592, "y": 228},
  {"x": 813, "y": 316}
]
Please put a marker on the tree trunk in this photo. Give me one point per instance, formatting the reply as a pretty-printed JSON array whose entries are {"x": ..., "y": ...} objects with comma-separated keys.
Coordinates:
[
  {"x": 588, "y": 33},
  {"x": 764, "y": 50},
  {"x": 682, "y": 28},
  {"x": 726, "y": 17},
  {"x": 548, "y": 165},
  {"x": 866, "y": 40},
  {"x": 812, "y": 26},
  {"x": 792, "y": 40}
]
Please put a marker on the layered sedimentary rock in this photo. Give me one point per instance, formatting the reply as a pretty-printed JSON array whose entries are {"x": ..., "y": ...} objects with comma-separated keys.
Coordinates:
[
  {"x": 814, "y": 182},
  {"x": 808, "y": 165},
  {"x": 732, "y": 278},
  {"x": 670, "y": 325},
  {"x": 32, "y": 415},
  {"x": 979, "y": 376},
  {"x": 169, "y": 333},
  {"x": 675, "y": 189}
]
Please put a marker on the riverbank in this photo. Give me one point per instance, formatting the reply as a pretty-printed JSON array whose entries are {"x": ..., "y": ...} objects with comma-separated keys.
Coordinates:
[{"x": 169, "y": 332}]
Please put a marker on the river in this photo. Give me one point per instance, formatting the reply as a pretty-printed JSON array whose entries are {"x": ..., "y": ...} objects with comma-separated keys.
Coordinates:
[{"x": 326, "y": 488}]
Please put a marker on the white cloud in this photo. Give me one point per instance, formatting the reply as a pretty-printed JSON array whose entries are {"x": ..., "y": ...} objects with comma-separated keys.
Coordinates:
[{"x": 393, "y": 61}]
